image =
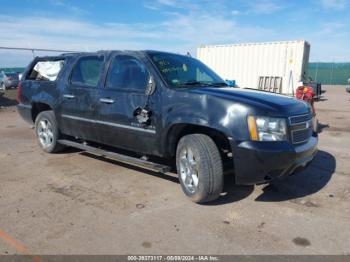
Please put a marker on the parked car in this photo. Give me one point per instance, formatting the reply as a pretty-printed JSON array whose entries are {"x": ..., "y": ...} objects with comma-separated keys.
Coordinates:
[
  {"x": 160, "y": 106},
  {"x": 9, "y": 80}
]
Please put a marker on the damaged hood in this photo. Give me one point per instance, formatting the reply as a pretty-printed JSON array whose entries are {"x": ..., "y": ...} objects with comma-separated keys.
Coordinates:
[{"x": 272, "y": 102}]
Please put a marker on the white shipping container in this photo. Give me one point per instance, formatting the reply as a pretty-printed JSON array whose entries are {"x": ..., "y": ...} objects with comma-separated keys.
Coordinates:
[{"x": 246, "y": 63}]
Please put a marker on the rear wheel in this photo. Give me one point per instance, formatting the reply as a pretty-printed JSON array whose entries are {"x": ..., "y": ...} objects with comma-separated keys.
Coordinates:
[
  {"x": 199, "y": 167},
  {"x": 47, "y": 132}
]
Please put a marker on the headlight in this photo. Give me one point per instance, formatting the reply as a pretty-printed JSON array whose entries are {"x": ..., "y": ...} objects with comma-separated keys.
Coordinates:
[{"x": 267, "y": 128}]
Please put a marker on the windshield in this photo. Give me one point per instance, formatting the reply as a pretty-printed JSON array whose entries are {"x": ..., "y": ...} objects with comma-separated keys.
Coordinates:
[{"x": 184, "y": 71}]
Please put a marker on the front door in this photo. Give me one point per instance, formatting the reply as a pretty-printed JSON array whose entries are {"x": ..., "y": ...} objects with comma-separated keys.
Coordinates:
[
  {"x": 79, "y": 99},
  {"x": 124, "y": 93}
]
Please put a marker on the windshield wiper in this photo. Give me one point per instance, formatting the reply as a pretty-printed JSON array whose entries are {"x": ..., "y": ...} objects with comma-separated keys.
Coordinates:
[
  {"x": 194, "y": 83},
  {"x": 199, "y": 83},
  {"x": 219, "y": 84}
]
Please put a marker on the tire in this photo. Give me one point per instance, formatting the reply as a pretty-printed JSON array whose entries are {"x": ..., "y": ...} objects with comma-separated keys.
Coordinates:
[
  {"x": 47, "y": 132},
  {"x": 198, "y": 156}
]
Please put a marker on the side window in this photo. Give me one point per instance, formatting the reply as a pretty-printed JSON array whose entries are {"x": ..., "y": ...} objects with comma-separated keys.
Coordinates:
[
  {"x": 46, "y": 70},
  {"x": 202, "y": 76},
  {"x": 87, "y": 71},
  {"x": 127, "y": 72}
]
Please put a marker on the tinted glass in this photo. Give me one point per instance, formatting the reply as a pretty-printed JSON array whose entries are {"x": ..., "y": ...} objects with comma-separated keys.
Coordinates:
[
  {"x": 184, "y": 71},
  {"x": 127, "y": 72},
  {"x": 87, "y": 71}
]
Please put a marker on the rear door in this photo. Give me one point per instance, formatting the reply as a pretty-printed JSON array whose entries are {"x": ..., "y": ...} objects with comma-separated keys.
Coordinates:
[
  {"x": 123, "y": 93},
  {"x": 79, "y": 98}
]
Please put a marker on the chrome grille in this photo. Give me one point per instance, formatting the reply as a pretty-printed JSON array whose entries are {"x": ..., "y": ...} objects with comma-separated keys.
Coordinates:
[
  {"x": 301, "y": 128},
  {"x": 300, "y": 119}
]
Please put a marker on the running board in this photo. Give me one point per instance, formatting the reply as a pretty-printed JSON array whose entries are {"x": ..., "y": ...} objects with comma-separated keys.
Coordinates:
[{"x": 115, "y": 156}]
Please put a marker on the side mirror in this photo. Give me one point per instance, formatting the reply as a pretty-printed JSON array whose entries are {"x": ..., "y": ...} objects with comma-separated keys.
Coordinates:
[
  {"x": 231, "y": 83},
  {"x": 151, "y": 86}
]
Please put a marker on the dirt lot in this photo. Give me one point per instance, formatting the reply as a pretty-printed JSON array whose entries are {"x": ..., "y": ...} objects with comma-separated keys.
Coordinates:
[{"x": 73, "y": 203}]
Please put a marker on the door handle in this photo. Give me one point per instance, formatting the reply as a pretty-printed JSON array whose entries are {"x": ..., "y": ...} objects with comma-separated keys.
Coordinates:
[
  {"x": 69, "y": 96},
  {"x": 107, "y": 100}
]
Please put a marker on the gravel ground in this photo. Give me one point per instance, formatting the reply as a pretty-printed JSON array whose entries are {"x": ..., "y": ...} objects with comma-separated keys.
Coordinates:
[{"x": 75, "y": 203}]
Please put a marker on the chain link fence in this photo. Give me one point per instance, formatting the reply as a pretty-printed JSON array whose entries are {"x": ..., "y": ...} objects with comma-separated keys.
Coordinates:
[
  {"x": 15, "y": 59},
  {"x": 18, "y": 58},
  {"x": 330, "y": 73}
]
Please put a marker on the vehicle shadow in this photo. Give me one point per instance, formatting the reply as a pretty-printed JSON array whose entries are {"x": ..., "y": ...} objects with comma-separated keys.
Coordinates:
[
  {"x": 232, "y": 192},
  {"x": 321, "y": 126},
  {"x": 6, "y": 101},
  {"x": 309, "y": 181},
  {"x": 69, "y": 150}
]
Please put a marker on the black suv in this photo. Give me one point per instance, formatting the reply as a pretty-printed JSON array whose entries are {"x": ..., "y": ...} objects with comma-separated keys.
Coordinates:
[{"x": 156, "y": 105}]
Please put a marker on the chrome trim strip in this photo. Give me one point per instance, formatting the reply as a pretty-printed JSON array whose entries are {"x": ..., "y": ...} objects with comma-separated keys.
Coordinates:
[
  {"x": 69, "y": 96},
  {"x": 290, "y": 119},
  {"x": 299, "y": 142},
  {"x": 109, "y": 124},
  {"x": 295, "y": 143},
  {"x": 301, "y": 123},
  {"x": 107, "y": 100},
  {"x": 300, "y": 129}
]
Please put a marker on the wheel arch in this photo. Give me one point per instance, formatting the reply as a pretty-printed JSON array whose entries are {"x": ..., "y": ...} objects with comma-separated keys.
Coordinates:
[
  {"x": 38, "y": 107},
  {"x": 177, "y": 131}
]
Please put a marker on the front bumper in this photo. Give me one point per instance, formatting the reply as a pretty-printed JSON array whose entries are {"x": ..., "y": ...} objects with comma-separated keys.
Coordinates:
[{"x": 261, "y": 162}]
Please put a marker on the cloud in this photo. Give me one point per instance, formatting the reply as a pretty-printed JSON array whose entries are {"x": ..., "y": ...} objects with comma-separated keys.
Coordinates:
[
  {"x": 159, "y": 4},
  {"x": 259, "y": 7},
  {"x": 167, "y": 2},
  {"x": 334, "y": 4},
  {"x": 265, "y": 6},
  {"x": 177, "y": 33},
  {"x": 69, "y": 7},
  {"x": 186, "y": 6},
  {"x": 236, "y": 12},
  {"x": 182, "y": 30},
  {"x": 180, "y": 27},
  {"x": 334, "y": 29}
]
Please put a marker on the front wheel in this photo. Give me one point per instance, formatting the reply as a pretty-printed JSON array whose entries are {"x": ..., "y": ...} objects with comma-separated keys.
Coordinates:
[
  {"x": 199, "y": 167},
  {"x": 47, "y": 132}
]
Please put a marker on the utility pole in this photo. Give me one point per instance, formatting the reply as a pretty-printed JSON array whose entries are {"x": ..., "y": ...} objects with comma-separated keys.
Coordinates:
[{"x": 332, "y": 73}]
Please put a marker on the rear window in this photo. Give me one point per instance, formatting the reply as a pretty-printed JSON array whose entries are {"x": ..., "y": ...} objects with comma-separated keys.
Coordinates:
[{"x": 46, "y": 70}]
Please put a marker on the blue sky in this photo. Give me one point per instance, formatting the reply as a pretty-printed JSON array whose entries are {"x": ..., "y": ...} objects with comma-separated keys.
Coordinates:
[{"x": 172, "y": 25}]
